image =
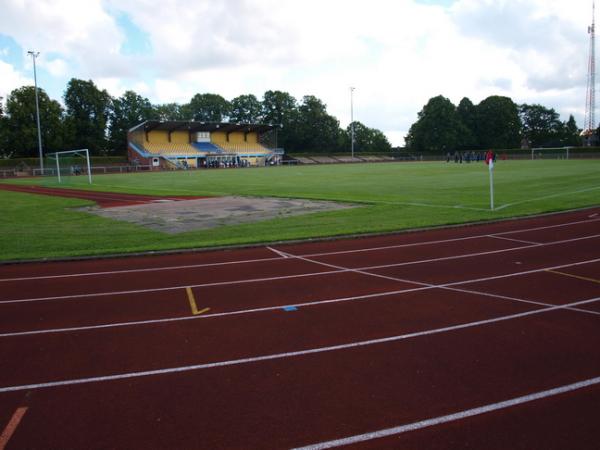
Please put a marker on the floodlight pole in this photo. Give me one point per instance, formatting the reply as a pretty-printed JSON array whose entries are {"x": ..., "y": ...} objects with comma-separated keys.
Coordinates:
[
  {"x": 34, "y": 55},
  {"x": 352, "y": 120}
]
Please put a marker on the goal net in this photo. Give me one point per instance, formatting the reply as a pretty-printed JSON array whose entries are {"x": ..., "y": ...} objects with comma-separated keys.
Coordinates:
[
  {"x": 551, "y": 152},
  {"x": 69, "y": 164}
]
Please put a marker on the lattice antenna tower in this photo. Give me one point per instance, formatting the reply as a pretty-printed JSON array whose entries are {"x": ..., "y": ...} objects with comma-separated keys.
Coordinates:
[{"x": 590, "y": 102}]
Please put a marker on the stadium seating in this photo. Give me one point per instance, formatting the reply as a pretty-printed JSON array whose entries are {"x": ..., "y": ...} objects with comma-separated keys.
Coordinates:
[
  {"x": 170, "y": 148},
  {"x": 207, "y": 147},
  {"x": 243, "y": 147}
]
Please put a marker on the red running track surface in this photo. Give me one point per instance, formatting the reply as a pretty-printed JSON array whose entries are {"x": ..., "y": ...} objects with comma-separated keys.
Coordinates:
[
  {"x": 103, "y": 199},
  {"x": 474, "y": 337}
]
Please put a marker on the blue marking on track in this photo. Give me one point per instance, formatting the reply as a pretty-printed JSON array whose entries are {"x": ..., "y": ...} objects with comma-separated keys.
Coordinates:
[{"x": 290, "y": 308}]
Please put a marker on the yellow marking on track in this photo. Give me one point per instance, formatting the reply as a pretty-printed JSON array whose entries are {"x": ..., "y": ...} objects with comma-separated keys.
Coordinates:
[
  {"x": 192, "y": 301},
  {"x": 574, "y": 276}
]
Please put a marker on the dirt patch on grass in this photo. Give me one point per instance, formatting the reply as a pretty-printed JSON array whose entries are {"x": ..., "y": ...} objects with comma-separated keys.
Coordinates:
[{"x": 189, "y": 215}]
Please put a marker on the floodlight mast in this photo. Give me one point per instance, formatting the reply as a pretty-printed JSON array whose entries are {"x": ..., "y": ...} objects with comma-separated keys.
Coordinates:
[
  {"x": 34, "y": 55},
  {"x": 590, "y": 103},
  {"x": 352, "y": 120}
]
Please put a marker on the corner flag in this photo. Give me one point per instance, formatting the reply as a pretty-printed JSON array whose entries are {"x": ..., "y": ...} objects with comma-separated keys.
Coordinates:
[{"x": 489, "y": 160}]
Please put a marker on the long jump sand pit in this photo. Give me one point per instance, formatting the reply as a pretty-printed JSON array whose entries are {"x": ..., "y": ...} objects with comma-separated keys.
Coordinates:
[{"x": 198, "y": 214}]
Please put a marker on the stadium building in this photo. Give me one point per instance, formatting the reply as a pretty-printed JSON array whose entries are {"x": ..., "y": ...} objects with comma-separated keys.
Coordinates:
[{"x": 180, "y": 144}]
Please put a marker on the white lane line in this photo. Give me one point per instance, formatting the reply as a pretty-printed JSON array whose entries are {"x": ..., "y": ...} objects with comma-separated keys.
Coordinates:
[
  {"x": 447, "y": 286},
  {"x": 254, "y": 280},
  {"x": 254, "y": 359},
  {"x": 514, "y": 299},
  {"x": 250, "y": 261},
  {"x": 516, "y": 401},
  {"x": 149, "y": 269},
  {"x": 514, "y": 240},
  {"x": 443, "y": 241},
  {"x": 422, "y": 287},
  {"x": 170, "y": 288},
  {"x": 468, "y": 255},
  {"x": 280, "y": 253}
]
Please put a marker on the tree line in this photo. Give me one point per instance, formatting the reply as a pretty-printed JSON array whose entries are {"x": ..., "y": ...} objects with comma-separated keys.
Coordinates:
[
  {"x": 93, "y": 119},
  {"x": 497, "y": 122}
]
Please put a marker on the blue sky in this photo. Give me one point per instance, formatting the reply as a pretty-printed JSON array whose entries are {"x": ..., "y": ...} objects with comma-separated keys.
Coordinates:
[{"x": 397, "y": 53}]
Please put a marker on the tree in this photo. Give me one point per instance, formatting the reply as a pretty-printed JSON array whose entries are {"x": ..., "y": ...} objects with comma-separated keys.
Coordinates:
[
  {"x": 21, "y": 134},
  {"x": 126, "y": 111},
  {"x": 571, "y": 132},
  {"x": 87, "y": 115},
  {"x": 498, "y": 123},
  {"x": 278, "y": 108},
  {"x": 438, "y": 128},
  {"x": 209, "y": 108},
  {"x": 366, "y": 139},
  {"x": 281, "y": 109},
  {"x": 315, "y": 130},
  {"x": 3, "y": 131},
  {"x": 246, "y": 109},
  {"x": 467, "y": 112},
  {"x": 171, "y": 111},
  {"x": 540, "y": 125}
]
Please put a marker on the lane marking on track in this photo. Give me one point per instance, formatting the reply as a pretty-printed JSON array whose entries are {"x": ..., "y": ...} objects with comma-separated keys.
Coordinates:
[
  {"x": 593, "y": 280},
  {"x": 443, "y": 241},
  {"x": 422, "y": 287},
  {"x": 251, "y": 261},
  {"x": 192, "y": 301},
  {"x": 516, "y": 401},
  {"x": 280, "y": 253},
  {"x": 12, "y": 425},
  {"x": 285, "y": 355},
  {"x": 515, "y": 240},
  {"x": 285, "y": 277}
]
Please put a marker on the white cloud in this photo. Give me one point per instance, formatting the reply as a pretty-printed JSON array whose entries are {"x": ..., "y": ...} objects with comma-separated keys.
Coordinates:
[
  {"x": 397, "y": 53},
  {"x": 57, "y": 67},
  {"x": 11, "y": 79}
]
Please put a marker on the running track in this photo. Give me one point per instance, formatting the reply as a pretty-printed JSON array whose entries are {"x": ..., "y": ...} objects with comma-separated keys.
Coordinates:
[
  {"x": 474, "y": 337},
  {"x": 103, "y": 199}
]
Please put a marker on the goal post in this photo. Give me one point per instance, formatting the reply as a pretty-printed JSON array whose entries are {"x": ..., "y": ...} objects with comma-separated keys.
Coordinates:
[
  {"x": 68, "y": 163},
  {"x": 550, "y": 152}
]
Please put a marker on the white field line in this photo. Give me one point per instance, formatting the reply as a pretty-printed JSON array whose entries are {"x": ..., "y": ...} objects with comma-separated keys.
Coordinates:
[
  {"x": 426, "y": 205},
  {"x": 422, "y": 287},
  {"x": 254, "y": 359},
  {"x": 251, "y": 261},
  {"x": 453, "y": 417},
  {"x": 560, "y": 194},
  {"x": 336, "y": 269}
]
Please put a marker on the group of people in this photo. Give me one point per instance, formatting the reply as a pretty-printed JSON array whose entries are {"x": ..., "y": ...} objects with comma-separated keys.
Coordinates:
[
  {"x": 226, "y": 163},
  {"x": 76, "y": 169},
  {"x": 470, "y": 156}
]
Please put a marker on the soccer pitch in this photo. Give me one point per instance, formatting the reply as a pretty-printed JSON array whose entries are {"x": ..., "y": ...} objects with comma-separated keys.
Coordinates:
[{"x": 390, "y": 197}]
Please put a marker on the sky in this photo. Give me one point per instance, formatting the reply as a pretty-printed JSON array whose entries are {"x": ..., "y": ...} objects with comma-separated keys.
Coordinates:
[{"x": 397, "y": 54}]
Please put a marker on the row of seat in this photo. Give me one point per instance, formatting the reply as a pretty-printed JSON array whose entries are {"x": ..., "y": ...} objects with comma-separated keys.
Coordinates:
[{"x": 186, "y": 149}]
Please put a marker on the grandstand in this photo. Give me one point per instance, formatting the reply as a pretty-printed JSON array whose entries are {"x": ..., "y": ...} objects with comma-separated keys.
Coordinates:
[{"x": 181, "y": 144}]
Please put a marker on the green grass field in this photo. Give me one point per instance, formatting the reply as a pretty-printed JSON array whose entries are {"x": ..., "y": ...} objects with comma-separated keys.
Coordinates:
[{"x": 393, "y": 196}]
